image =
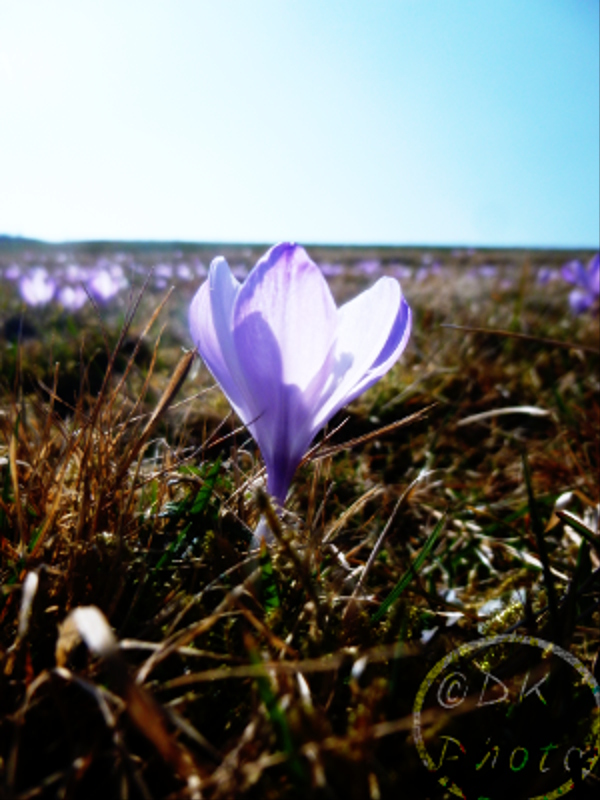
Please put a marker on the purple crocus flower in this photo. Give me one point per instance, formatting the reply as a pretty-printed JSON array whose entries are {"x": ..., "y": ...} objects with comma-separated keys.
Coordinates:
[
  {"x": 163, "y": 271},
  {"x": 546, "y": 275},
  {"x": 184, "y": 272},
  {"x": 106, "y": 283},
  {"x": 369, "y": 267},
  {"x": 12, "y": 272},
  {"x": 332, "y": 270},
  {"x": 72, "y": 298},
  {"x": 487, "y": 271},
  {"x": 587, "y": 282},
  {"x": 37, "y": 287},
  {"x": 286, "y": 357},
  {"x": 74, "y": 273}
]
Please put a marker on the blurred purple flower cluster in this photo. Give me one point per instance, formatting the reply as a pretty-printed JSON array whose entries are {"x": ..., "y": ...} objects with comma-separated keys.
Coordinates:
[
  {"x": 546, "y": 275},
  {"x": 586, "y": 279},
  {"x": 68, "y": 286},
  {"x": 37, "y": 287},
  {"x": 69, "y": 283}
]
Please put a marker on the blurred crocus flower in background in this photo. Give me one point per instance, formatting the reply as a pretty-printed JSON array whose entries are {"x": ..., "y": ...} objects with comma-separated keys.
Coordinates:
[
  {"x": 286, "y": 357},
  {"x": 401, "y": 271},
  {"x": 37, "y": 287},
  {"x": 332, "y": 270},
  {"x": 487, "y": 271},
  {"x": 200, "y": 269},
  {"x": 163, "y": 273},
  {"x": 72, "y": 298},
  {"x": 12, "y": 272},
  {"x": 184, "y": 272},
  {"x": 546, "y": 275},
  {"x": 369, "y": 267},
  {"x": 106, "y": 283},
  {"x": 74, "y": 273},
  {"x": 587, "y": 284}
]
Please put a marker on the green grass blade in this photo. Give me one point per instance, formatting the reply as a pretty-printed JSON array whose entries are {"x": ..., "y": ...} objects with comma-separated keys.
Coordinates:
[
  {"x": 190, "y": 507},
  {"x": 268, "y": 585},
  {"x": 277, "y": 717},
  {"x": 410, "y": 573}
]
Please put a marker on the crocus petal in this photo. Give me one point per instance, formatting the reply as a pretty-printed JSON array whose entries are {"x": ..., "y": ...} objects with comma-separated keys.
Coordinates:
[
  {"x": 284, "y": 361},
  {"x": 593, "y": 272},
  {"x": 365, "y": 324},
  {"x": 391, "y": 352},
  {"x": 288, "y": 291},
  {"x": 210, "y": 319},
  {"x": 580, "y": 301},
  {"x": 574, "y": 272},
  {"x": 373, "y": 331}
]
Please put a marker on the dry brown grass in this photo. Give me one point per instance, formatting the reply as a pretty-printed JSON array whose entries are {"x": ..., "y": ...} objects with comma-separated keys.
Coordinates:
[{"x": 284, "y": 673}]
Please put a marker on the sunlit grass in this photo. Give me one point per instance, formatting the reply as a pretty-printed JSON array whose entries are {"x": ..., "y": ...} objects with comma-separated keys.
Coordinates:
[{"x": 292, "y": 672}]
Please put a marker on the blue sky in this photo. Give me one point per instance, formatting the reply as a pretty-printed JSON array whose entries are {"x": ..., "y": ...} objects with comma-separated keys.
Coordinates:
[{"x": 452, "y": 122}]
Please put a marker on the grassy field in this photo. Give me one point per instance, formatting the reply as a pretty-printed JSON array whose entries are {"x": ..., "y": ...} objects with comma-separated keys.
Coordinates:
[{"x": 455, "y": 501}]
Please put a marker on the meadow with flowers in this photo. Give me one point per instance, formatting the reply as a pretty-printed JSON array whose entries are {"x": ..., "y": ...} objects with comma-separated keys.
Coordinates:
[{"x": 231, "y": 555}]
